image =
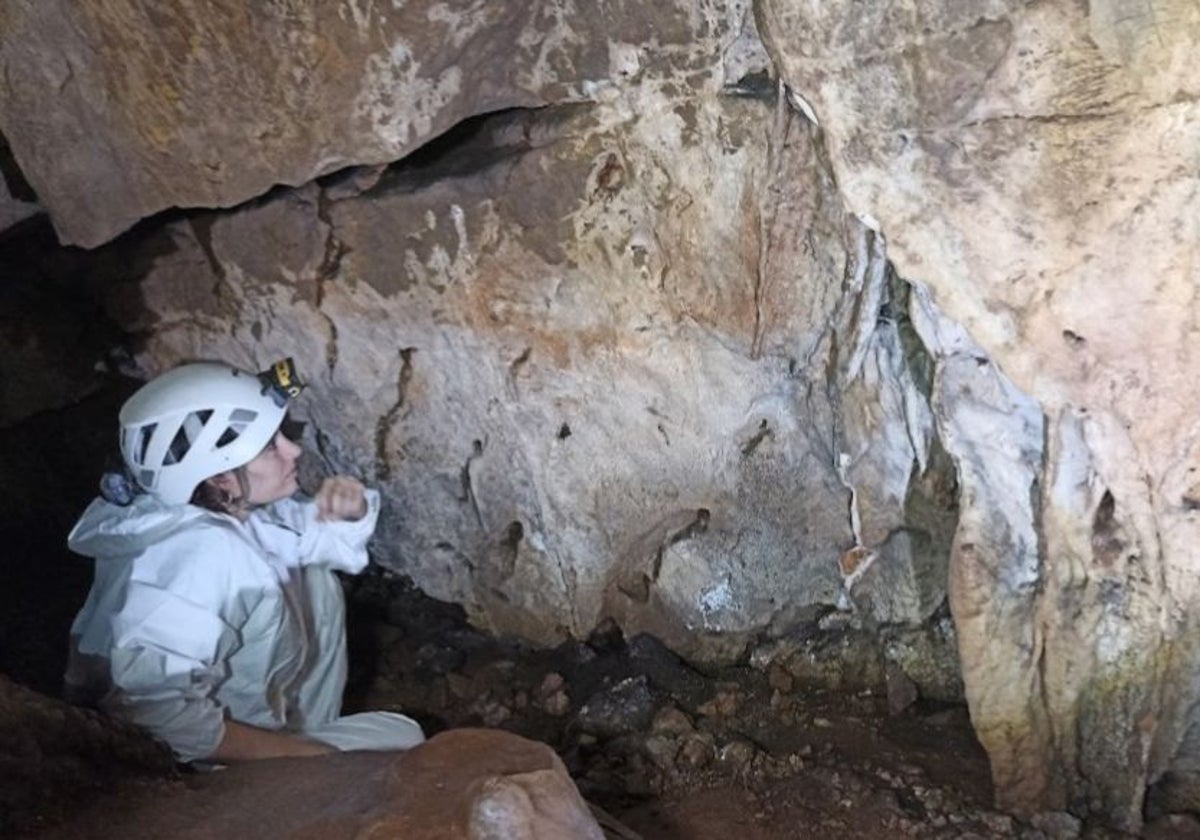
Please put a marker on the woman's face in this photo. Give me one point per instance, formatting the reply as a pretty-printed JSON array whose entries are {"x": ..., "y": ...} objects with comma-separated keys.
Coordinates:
[{"x": 272, "y": 473}]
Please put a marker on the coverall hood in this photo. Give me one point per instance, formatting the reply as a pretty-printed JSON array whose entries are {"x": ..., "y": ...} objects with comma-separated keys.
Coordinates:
[{"x": 112, "y": 532}]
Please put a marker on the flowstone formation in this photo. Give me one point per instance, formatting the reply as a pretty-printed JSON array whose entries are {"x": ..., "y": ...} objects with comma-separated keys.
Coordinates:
[{"x": 705, "y": 333}]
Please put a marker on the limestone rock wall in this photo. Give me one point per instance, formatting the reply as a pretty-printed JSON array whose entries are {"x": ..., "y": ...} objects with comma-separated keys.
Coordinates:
[
  {"x": 1036, "y": 167},
  {"x": 117, "y": 109},
  {"x": 622, "y": 360}
]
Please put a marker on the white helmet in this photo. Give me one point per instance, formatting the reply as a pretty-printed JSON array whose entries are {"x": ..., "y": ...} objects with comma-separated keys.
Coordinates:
[{"x": 198, "y": 420}]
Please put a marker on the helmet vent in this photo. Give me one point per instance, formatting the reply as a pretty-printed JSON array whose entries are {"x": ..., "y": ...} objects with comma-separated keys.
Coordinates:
[
  {"x": 144, "y": 435},
  {"x": 239, "y": 420},
  {"x": 189, "y": 430},
  {"x": 179, "y": 447}
]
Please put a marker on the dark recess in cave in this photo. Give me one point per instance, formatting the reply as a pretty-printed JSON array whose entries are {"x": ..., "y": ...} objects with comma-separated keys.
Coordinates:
[{"x": 14, "y": 178}]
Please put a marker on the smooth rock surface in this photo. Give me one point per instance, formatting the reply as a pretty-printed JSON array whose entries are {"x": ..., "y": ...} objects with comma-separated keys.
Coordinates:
[{"x": 465, "y": 783}]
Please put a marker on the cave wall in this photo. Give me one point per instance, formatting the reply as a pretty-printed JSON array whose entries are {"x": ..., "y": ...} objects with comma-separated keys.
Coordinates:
[
  {"x": 576, "y": 409},
  {"x": 686, "y": 327},
  {"x": 1037, "y": 166}
]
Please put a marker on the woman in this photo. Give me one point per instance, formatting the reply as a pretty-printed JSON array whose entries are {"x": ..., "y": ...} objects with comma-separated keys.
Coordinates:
[{"x": 215, "y": 621}]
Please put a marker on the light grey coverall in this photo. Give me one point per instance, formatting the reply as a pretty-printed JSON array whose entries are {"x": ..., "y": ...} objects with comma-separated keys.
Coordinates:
[{"x": 195, "y": 617}]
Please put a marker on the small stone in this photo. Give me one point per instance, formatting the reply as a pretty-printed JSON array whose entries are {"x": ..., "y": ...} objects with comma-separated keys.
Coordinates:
[
  {"x": 999, "y": 824},
  {"x": 724, "y": 704},
  {"x": 557, "y": 704},
  {"x": 1057, "y": 825},
  {"x": 550, "y": 684},
  {"x": 550, "y": 695},
  {"x": 670, "y": 720},
  {"x": 780, "y": 679},
  {"x": 491, "y": 712},
  {"x": 661, "y": 751},
  {"x": 736, "y": 756},
  {"x": 901, "y": 691},
  {"x": 625, "y": 708},
  {"x": 697, "y": 750}
]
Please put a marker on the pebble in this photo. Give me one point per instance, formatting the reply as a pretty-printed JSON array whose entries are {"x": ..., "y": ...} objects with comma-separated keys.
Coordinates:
[
  {"x": 697, "y": 750},
  {"x": 662, "y": 751},
  {"x": 736, "y": 756},
  {"x": 780, "y": 679},
  {"x": 557, "y": 704},
  {"x": 671, "y": 720},
  {"x": 551, "y": 697},
  {"x": 626, "y": 708},
  {"x": 1057, "y": 825},
  {"x": 1000, "y": 824}
]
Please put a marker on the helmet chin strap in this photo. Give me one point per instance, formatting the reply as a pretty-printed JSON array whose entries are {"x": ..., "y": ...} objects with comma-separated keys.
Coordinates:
[{"x": 242, "y": 503}]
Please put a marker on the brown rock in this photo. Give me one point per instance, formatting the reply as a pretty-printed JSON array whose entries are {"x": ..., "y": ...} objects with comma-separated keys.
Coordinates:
[
  {"x": 901, "y": 691},
  {"x": 670, "y": 720},
  {"x": 697, "y": 750},
  {"x": 467, "y": 783},
  {"x": 780, "y": 679},
  {"x": 199, "y": 105}
]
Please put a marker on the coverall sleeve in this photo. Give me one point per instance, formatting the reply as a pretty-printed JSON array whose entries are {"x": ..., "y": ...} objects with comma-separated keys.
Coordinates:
[
  {"x": 170, "y": 641},
  {"x": 338, "y": 545}
]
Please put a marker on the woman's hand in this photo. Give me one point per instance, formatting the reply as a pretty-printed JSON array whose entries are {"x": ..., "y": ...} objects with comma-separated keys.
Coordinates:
[
  {"x": 242, "y": 742},
  {"x": 341, "y": 499}
]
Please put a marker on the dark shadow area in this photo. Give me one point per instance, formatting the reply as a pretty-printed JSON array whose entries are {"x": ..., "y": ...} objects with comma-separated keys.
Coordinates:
[
  {"x": 58, "y": 407},
  {"x": 50, "y": 465},
  {"x": 472, "y": 145},
  {"x": 14, "y": 179}
]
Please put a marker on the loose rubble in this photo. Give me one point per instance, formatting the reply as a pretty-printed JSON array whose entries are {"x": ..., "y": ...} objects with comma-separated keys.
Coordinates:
[{"x": 673, "y": 751}]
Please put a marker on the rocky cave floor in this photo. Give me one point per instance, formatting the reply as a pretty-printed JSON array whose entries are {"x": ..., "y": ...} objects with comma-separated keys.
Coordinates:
[
  {"x": 675, "y": 753},
  {"x": 665, "y": 751}
]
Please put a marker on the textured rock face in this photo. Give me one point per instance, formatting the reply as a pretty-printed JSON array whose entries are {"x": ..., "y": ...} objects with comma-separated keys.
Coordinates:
[
  {"x": 575, "y": 411},
  {"x": 208, "y": 104},
  {"x": 54, "y": 756},
  {"x": 1035, "y": 165}
]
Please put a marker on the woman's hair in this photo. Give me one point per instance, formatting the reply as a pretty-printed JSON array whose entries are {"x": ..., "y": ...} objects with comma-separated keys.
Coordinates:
[{"x": 211, "y": 497}]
